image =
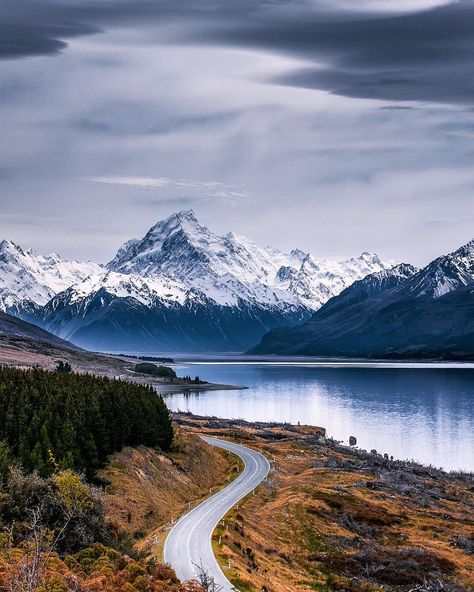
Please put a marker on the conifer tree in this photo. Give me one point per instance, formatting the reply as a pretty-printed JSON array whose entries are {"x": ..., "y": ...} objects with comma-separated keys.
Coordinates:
[{"x": 78, "y": 419}]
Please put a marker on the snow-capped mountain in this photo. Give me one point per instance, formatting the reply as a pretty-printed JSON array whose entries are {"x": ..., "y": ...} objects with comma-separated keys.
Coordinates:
[
  {"x": 232, "y": 268},
  {"x": 401, "y": 312},
  {"x": 181, "y": 286},
  {"x": 443, "y": 275},
  {"x": 29, "y": 280}
]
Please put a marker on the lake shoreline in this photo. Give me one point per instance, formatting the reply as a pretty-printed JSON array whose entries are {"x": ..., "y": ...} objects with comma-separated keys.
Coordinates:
[
  {"x": 425, "y": 414},
  {"x": 191, "y": 387},
  {"x": 180, "y": 359},
  {"x": 220, "y": 426}
]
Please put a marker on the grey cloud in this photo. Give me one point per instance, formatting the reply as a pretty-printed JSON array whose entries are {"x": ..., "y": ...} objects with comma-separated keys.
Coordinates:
[
  {"x": 424, "y": 55},
  {"x": 124, "y": 118},
  {"x": 173, "y": 202},
  {"x": 29, "y": 27},
  {"x": 350, "y": 175},
  {"x": 421, "y": 56},
  {"x": 200, "y": 190},
  {"x": 26, "y": 30}
]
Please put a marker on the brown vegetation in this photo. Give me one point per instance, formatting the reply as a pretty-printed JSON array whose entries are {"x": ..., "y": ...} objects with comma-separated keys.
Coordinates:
[
  {"x": 148, "y": 490},
  {"x": 333, "y": 518},
  {"x": 60, "y": 539},
  {"x": 46, "y": 541},
  {"x": 93, "y": 569}
]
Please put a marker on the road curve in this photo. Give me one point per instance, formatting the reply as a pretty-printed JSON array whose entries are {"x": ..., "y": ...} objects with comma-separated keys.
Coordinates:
[{"x": 190, "y": 540}]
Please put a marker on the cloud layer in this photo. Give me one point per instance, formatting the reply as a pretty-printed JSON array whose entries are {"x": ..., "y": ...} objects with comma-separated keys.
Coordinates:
[
  {"x": 359, "y": 49},
  {"x": 335, "y": 126}
]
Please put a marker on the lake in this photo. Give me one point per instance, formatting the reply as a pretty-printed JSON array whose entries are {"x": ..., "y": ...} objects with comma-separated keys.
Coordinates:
[{"x": 423, "y": 412}]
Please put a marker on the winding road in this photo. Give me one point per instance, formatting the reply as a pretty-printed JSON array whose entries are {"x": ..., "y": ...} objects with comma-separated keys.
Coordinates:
[{"x": 190, "y": 540}]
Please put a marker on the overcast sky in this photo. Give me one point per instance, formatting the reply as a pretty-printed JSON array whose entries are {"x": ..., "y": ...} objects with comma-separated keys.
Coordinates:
[{"x": 334, "y": 126}]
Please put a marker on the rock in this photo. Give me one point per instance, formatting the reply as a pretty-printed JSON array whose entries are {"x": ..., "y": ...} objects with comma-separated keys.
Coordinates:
[{"x": 352, "y": 440}]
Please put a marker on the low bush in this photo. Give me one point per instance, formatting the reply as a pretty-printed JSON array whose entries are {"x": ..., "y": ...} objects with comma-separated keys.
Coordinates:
[
  {"x": 399, "y": 567},
  {"x": 63, "y": 502},
  {"x": 154, "y": 370},
  {"x": 93, "y": 569}
]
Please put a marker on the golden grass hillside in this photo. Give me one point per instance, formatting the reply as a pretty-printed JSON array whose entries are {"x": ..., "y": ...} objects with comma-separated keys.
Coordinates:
[
  {"x": 332, "y": 518},
  {"x": 148, "y": 490}
]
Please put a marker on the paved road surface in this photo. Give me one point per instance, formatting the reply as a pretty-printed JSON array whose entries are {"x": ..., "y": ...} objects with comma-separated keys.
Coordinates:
[{"x": 189, "y": 542}]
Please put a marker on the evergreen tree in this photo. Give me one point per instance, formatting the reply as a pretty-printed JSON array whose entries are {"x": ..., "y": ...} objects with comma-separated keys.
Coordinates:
[{"x": 77, "y": 419}]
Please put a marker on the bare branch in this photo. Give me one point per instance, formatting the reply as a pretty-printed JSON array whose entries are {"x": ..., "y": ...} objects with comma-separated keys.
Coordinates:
[{"x": 205, "y": 580}]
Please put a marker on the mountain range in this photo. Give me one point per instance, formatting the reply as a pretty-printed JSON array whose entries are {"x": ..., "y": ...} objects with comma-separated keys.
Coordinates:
[
  {"x": 179, "y": 288},
  {"x": 397, "y": 313}
]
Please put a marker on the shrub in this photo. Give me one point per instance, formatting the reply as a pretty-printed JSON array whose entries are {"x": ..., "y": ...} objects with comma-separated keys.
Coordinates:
[
  {"x": 94, "y": 569},
  {"x": 154, "y": 370},
  {"x": 63, "y": 367},
  {"x": 62, "y": 502}
]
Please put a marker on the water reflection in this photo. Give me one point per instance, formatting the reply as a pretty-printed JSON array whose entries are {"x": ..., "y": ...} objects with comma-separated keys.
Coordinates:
[{"x": 422, "y": 413}]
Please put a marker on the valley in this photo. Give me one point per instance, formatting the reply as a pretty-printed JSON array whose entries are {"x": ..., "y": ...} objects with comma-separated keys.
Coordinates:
[{"x": 25, "y": 345}]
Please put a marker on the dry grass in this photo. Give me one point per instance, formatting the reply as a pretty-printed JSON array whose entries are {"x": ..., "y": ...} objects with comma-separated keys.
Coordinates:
[
  {"x": 148, "y": 490},
  {"x": 333, "y": 519},
  {"x": 27, "y": 353},
  {"x": 18, "y": 351}
]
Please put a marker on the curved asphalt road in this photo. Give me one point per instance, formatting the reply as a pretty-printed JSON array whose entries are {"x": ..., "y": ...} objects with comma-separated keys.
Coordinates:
[{"x": 189, "y": 542}]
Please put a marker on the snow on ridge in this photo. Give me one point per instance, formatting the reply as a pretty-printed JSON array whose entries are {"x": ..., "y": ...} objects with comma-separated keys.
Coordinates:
[
  {"x": 180, "y": 259},
  {"x": 232, "y": 267},
  {"x": 145, "y": 291},
  {"x": 445, "y": 274},
  {"x": 27, "y": 276}
]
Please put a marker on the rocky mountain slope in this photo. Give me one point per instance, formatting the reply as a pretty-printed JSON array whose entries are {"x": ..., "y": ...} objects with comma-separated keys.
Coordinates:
[
  {"x": 231, "y": 268},
  {"x": 180, "y": 287},
  {"x": 397, "y": 313}
]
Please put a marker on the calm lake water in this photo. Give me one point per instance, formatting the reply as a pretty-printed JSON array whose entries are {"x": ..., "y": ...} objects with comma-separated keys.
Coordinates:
[{"x": 420, "y": 412}]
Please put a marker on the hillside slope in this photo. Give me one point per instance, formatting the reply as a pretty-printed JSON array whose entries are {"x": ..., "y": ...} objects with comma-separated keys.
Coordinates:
[
  {"x": 13, "y": 328},
  {"x": 428, "y": 313},
  {"x": 149, "y": 489}
]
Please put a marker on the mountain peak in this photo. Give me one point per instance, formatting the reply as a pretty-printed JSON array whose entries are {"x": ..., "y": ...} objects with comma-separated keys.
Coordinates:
[
  {"x": 185, "y": 220},
  {"x": 181, "y": 217},
  {"x": 29, "y": 277},
  {"x": 186, "y": 214},
  {"x": 467, "y": 249},
  {"x": 444, "y": 274},
  {"x": 372, "y": 257},
  {"x": 176, "y": 236}
]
